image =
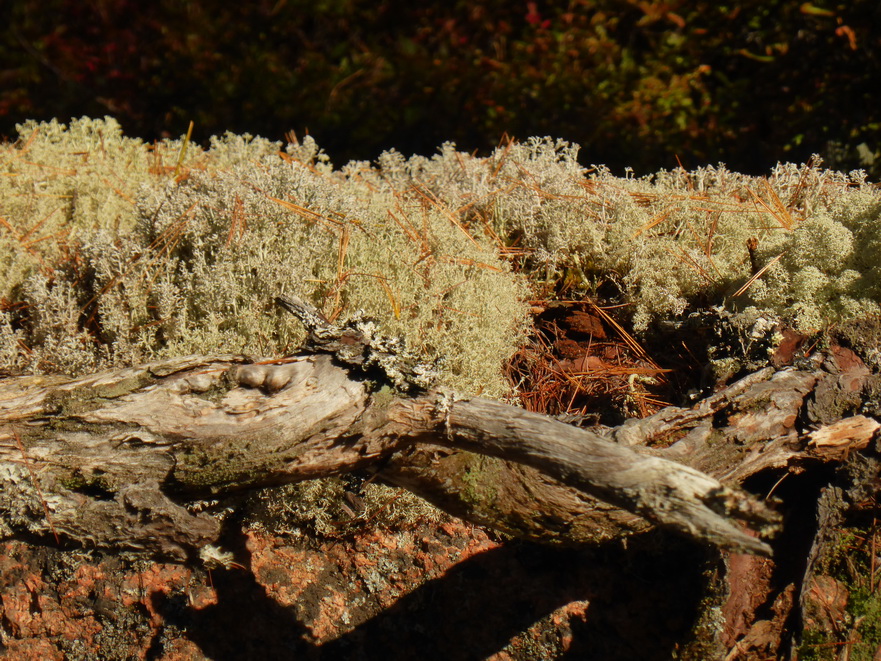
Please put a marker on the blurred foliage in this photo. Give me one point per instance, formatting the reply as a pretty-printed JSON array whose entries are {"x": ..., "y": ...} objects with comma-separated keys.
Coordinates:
[{"x": 637, "y": 83}]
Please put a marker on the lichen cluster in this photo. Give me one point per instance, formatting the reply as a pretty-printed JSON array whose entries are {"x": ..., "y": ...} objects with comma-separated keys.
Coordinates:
[
  {"x": 672, "y": 240},
  {"x": 113, "y": 251},
  {"x": 109, "y": 258}
]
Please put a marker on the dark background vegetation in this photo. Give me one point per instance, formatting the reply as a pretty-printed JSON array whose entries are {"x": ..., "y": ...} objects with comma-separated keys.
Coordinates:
[{"x": 638, "y": 83}]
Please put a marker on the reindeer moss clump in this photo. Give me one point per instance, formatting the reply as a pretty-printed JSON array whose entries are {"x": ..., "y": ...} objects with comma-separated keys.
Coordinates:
[
  {"x": 138, "y": 263},
  {"x": 113, "y": 252},
  {"x": 800, "y": 244}
]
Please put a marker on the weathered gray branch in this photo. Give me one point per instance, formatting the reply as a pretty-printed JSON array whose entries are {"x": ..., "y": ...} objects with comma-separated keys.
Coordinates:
[
  {"x": 114, "y": 454},
  {"x": 111, "y": 459},
  {"x": 664, "y": 492}
]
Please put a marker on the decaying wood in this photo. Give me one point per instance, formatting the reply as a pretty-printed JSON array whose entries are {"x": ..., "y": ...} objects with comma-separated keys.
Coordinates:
[
  {"x": 112, "y": 459},
  {"x": 754, "y": 425}
]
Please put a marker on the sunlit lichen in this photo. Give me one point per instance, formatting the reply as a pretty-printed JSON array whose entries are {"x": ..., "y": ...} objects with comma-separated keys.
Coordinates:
[{"x": 111, "y": 252}]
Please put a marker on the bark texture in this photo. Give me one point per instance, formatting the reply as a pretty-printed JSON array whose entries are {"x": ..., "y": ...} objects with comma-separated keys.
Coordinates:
[{"x": 111, "y": 459}]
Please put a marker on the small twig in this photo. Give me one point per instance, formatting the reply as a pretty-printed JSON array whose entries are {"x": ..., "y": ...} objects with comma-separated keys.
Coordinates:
[
  {"x": 358, "y": 344},
  {"x": 183, "y": 150},
  {"x": 758, "y": 274}
]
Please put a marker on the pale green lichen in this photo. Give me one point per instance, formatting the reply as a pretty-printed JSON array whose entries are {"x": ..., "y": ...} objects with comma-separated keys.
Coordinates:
[
  {"x": 153, "y": 265},
  {"x": 674, "y": 239},
  {"x": 111, "y": 253},
  {"x": 322, "y": 507}
]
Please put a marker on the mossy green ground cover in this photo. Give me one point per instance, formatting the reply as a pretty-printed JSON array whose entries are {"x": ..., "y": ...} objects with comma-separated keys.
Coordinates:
[{"x": 851, "y": 620}]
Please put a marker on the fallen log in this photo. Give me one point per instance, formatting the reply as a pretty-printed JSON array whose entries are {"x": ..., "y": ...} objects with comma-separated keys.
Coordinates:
[{"x": 111, "y": 460}]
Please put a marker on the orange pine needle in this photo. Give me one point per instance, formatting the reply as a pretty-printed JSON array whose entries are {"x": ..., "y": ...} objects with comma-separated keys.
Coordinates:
[{"x": 758, "y": 274}]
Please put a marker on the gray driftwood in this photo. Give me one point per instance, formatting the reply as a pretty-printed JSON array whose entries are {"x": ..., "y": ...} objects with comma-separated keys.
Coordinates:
[{"x": 112, "y": 459}]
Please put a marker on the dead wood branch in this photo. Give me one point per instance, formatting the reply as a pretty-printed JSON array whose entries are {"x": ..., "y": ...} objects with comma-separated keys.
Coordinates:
[{"x": 117, "y": 455}]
